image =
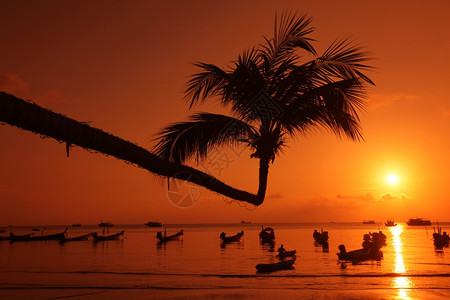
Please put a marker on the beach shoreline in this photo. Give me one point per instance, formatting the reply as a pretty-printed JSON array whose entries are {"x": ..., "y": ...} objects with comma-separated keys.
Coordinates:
[{"x": 217, "y": 293}]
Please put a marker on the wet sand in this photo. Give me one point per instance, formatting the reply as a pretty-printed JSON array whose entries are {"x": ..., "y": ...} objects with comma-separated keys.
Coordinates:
[{"x": 229, "y": 293}]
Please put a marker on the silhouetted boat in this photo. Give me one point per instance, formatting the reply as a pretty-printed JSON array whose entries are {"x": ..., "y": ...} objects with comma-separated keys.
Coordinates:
[
  {"x": 390, "y": 223},
  {"x": 2, "y": 231},
  {"x": 371, "y": 249},
  {"x": 153, "y": 224},
  {"x": 320, "y": 237},
  {"x": 287, "y": 254},
  {"x": 166, "y": 238},
  {"x": 35, "y": 229},
  {"x": 84, "y": 237},
  {"x": 440, "y": 239},
  {"x": 76, "y": 225},
  {"x": 112, "y": 237},
  {"x": 368, "y": 222},
  {"x": 105, "y": 224},
  {"x": 267, "y": 235},
  {"x": 360, "y": 255},
  {"x": 5, "y": 237},
  {"x": 230, "y": 239},
  {"x": 49, "y": 237},
  {"x": 418, "y": 222},
  {"x": 282, "y": 265},
  {"x": 245, "y": 222},
  {"x": 16, "y": 238}
]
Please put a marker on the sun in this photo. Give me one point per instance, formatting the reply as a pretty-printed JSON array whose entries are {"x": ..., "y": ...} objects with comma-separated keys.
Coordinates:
[{"x": 392, "y": 179}]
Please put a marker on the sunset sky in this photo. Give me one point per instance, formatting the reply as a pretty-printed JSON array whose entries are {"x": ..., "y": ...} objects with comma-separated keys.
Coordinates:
[{"x": 122, "y": 67}]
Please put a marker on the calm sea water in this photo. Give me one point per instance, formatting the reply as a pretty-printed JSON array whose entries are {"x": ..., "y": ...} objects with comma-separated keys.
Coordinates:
[{"x": 198, "y": 262}]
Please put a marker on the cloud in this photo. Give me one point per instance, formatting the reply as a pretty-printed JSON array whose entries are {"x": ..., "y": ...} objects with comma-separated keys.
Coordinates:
[
  {"x": 379, "y": 100},
  {"x": 12, "y": 83},
  {"x": 389, "y": 197},
  {"x": 50, "y": 97}
]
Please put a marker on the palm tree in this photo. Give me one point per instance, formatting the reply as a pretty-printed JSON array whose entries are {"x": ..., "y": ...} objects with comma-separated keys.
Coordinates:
[{"x": 274, "y": 91}]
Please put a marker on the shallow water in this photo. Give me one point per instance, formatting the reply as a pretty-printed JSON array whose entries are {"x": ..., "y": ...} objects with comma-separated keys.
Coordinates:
[{"x": 198, "y": 262}]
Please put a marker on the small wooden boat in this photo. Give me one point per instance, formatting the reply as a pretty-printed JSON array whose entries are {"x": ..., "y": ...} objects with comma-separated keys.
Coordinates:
[
  {"x": 17, "y": 238},
  {"x": 105, "y": 224},
  {"x": 76, "y": 225},
  {"x": 360, "y": 254},
  {"x": 440, "y": 239},
  {"x": 49, "y": 237},
  {"x": 230, "y": 239},
  {"x": 267, "y": 235},
  {"x": 165, "y": 238},
  {"x": 271, "y": 267},
  {"x": 84, "y": 237},
  {"x": 5, "y": 237},
  {"x": 390, "y": 223},
  {"x": 287, "y": 254},
  {"x": 320, "y": 237},
  {"x": 112, "y": 237},
  {"x": 153, "y": 224}
]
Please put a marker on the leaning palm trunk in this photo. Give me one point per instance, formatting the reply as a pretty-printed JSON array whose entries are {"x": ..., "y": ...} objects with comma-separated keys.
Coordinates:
[{"x": 29, "y": 116}]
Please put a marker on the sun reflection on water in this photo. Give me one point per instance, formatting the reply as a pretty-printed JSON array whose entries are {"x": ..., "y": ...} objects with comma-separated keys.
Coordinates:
[{"x": 402, "y": 284}]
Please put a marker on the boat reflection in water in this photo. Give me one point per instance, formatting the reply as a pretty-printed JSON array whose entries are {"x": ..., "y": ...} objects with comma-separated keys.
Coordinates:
[{"x": 401, "y": 283}]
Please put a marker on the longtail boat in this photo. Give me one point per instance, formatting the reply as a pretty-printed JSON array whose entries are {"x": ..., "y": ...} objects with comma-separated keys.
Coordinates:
[
  {"x": 282, "y": 265},
  {"x": 84, "y": 237},
  {"x": 112, "y": 237},
  {"x": 230, "y": 239},
  {"x": 165, "y": 238},
  {"x": 17, "y": 238},
  {"x": 49, "y": 237},
  {"x": 267, "y": 235}
]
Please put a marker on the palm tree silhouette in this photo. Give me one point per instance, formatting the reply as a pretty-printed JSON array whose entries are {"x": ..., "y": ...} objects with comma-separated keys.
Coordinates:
[{"x": 272, "y": 95}]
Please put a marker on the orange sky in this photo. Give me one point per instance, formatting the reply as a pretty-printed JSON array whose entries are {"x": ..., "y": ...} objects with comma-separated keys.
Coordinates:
[{"x": 123, "y": 69}]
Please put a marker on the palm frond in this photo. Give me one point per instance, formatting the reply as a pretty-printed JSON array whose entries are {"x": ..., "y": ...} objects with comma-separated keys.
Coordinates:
[
  {"x": 194, "y": 139},
  {"x": 210, "y": 81},
  {"x": 344, "y": 60},
  {"x": 290, "y": 33}
]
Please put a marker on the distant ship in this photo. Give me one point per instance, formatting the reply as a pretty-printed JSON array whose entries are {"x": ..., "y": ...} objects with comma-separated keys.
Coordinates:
[
  {"x": 418, "y": 222},
  {"x": 76, "y": 225},
  {"x": 153, "y": 224},
  {"x": 105, "y": 224},
  {"x": 245, "y": 222},
  {"x": 368, "y": 222}
]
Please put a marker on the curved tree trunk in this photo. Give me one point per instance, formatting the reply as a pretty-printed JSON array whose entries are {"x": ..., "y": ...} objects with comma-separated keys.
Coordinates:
[{"x": 29, "y": 116}]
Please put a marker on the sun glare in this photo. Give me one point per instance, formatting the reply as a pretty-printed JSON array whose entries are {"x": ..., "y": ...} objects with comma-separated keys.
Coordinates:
[{"x": 392, "y": 179}]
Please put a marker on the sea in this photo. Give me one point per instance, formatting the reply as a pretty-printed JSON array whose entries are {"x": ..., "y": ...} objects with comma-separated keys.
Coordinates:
[{"x": 198, "y": 266}]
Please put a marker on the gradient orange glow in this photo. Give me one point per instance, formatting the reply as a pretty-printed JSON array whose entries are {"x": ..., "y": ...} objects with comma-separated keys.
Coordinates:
[{"x": 122, "y": 68}]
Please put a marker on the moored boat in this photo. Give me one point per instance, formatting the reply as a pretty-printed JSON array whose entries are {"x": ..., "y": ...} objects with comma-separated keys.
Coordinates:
[
  {"x": 17, "y": 238},
  {"x": 112, "y": 237},
  {"x": 165, "y": 238},
  {"x": 418, "y": 222},
  {"x": 320, "y": 237},
  {"x": 85, "y": 237},
  {"x": 153, "y": 224},
  {"x": 105, "y": 224},
  {"x": 230, "y": 239},
  {"x": 267, "y": 235},
  {"x": 390, "y": 223},
  {"x": 271, "y": 267},
  {"x": 49, "y": 237}
]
